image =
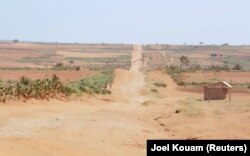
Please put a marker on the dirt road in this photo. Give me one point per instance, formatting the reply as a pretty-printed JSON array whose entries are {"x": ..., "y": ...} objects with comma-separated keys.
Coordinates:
[{"x": 129, "y": 84}]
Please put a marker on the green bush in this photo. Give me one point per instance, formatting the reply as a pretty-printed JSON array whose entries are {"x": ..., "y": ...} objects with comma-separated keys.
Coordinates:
[
  {"x": 53, "y": 87},
  {"x": 77, "y": 68},
  {"x": 58, "y": 65},
  {"x": 214, "y": 55},
  {"x": 237, "y": 67},
  {"x": 175, "y": 73},
  {"x": 97, "y": 84},
  {"x": 180, "y": 83},
  {"x": 154, "y": 90},
  {"x": 160, "y": 84},
  {"x": 39, "y": 89},
  {"x": 218, "y": 68}
]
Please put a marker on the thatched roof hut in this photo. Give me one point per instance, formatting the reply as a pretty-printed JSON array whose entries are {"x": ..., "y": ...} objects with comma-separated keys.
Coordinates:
[{"x": 217, "y": 91}]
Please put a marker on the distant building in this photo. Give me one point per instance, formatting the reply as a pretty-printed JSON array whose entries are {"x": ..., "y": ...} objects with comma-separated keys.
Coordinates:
[{"x": 217, "y": 91}]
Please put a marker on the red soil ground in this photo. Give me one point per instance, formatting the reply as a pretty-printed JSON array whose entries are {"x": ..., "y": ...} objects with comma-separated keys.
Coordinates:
[{"x": 120, "y": 123}]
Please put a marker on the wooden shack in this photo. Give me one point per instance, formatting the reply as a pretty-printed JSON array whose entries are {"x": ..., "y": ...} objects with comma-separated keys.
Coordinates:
[{"x": 217, "y": 91}]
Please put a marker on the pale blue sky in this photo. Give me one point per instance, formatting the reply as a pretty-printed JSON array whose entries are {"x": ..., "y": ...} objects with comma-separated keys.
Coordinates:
[{"x": 127, "y": 21}]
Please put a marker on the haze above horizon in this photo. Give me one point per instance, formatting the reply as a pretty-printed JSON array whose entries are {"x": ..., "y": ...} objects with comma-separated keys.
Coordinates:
[{"x": 116, "y": 21}]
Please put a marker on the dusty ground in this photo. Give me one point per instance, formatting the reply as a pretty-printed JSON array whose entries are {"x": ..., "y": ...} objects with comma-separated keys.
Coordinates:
[{"x": 121, "y": 123}]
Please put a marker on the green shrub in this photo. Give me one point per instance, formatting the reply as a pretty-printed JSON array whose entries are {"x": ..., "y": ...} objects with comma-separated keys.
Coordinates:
[
  {"x": 214, "y": 55},
  {"x": 39, "y": 89},
  {"x": 58, "y": 65},
  {"x": 154, "y": 90},
  {"x": 180, "y": 83},
  {"x": 237, "y": 67},
  {"x": 77, "y": 68},
  {"x": 97, "y": 84},
  {"x": 160, "y": 84},
  {"x": 218, "y": 68},
  {"x": 53, "y": 87},
  {"x": 175, "y": 73}
]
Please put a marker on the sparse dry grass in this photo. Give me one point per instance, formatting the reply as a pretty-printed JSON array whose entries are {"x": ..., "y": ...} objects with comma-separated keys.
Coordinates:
[{"x": 160, "y": 84}]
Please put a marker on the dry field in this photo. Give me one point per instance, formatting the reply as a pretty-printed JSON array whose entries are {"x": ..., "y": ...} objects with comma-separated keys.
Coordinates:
[
  {"x": 199, "y": 55},
  {"x": 120, "y": 123},
  {"x": 42, "y": 55},
  {"x": 212, "y": 77}
]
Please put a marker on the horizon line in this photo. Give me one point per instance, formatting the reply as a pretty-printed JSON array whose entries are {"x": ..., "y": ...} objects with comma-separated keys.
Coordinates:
[{"x": 124, "y": 43}]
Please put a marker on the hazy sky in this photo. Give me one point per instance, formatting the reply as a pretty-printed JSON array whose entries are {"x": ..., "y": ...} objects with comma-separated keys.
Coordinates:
[{"x": 127, "y": 21}]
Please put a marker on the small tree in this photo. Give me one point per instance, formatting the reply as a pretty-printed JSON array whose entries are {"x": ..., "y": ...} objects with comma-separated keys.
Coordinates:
[
  {"x": 77, "y": 68},
  {"x": 15, "y": 41},
  {"x": 184, "y": 61},
  {"x": 213, "y": 55},
  {"x": 225, "y": 44},
  {"x": 58, "y": 65},
  {"x": 237, "y": 67}
]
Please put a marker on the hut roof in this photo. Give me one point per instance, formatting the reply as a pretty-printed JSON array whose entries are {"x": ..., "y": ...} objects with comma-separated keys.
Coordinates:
[{"x": 219, "y": 84}]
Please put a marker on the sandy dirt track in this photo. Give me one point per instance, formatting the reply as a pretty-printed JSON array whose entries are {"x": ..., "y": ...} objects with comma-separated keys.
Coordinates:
[{"x": 121, "y": 123}]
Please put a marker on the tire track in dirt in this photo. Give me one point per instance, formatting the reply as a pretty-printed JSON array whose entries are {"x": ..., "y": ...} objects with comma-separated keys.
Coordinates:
[{"x": 129, "y": 84}]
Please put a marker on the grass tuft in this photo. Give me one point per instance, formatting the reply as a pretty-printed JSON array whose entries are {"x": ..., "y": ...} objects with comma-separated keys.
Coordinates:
[{"x": 160, "y": 84}]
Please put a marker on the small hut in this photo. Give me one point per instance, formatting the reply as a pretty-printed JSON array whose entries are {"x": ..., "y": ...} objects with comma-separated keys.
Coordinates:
[{"x": 217, "y": 91}]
